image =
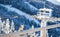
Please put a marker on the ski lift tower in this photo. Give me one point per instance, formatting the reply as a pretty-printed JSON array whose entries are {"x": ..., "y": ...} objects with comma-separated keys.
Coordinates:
[{"x": 43, "y": 14}]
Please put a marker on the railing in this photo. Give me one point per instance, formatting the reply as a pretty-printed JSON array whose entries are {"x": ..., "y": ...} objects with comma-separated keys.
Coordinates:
[{"x": 26, "y": 32}]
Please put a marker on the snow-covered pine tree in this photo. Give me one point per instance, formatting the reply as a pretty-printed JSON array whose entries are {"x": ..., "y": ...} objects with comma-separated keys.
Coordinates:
[
  {"x": 3, "y": 26},
  {"x": 7, "y": 28},
  {"x": 33, "y": 34},
  {"x": 32, "y": 26},
  {"x": 0, "y": 25},
  {"x": 12, "y": 26},
  {"x": 51, "y": 36}
]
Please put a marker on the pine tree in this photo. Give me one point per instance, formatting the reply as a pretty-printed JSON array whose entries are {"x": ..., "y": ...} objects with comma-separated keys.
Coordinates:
[
  {"x": 51, "y": 35},
  {"x": 12, "y": 26},
  {"x": 3, "y": 26},
  {"x": 0, "y": 25},
  {"x": 32, "y": 27},
  {"x": 33, "y": 34},
  {"x": 7, "y": 28}
]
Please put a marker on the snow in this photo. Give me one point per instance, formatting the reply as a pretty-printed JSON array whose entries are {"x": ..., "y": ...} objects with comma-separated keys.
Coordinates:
[
  {"x": 56, "y": 2},
  {"x": 10, "y": 8}
]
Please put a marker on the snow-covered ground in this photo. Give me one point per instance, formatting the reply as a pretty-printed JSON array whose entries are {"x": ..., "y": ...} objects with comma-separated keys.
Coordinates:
[{"x": 57, "y": 2}]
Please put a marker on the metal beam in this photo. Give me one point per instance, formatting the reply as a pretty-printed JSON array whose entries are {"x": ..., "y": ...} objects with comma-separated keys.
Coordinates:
[{"x": 48, "y": 19}]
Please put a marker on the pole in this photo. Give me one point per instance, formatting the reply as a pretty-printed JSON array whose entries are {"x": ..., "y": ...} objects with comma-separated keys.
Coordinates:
[{"x": 43, "y": 32}]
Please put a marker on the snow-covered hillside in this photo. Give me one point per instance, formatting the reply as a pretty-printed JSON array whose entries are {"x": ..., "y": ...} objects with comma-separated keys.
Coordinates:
[{"x": 24, "y": 9}]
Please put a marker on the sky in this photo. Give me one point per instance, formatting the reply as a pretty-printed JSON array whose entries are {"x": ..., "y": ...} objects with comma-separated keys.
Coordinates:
[{"x": 57, "y": 2}]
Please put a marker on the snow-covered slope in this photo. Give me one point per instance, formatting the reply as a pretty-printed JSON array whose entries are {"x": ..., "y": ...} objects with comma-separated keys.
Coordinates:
[
  {"x": 10, "y": 12},
  {"x": 24, "y": 10},
  {"x": 57, "y": 2}
]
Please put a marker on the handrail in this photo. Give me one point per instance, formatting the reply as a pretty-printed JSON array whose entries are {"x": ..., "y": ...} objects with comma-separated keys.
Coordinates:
[{"x": 29, "y": 31}]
